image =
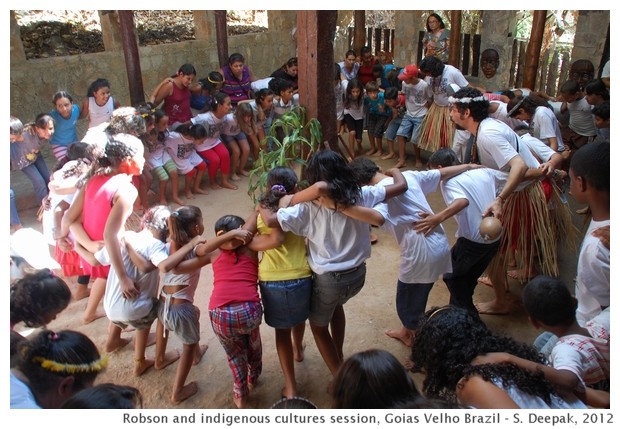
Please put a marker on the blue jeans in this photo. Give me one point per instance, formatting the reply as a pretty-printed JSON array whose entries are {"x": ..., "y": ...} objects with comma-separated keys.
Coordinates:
[
  {"x": 14, "y": 215},
  {"x": 39, "y": 175}
]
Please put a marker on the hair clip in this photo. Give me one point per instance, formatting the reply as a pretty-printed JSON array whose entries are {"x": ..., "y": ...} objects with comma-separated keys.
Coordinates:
[
  {"x": 278, "y": 188},
  {"x": 514, "y": 109},
  {"x": 214, "y": 81},
  {"x": 54, "y": 336}
]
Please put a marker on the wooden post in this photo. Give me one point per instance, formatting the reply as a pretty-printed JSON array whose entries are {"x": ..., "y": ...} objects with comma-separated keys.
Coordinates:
[
  {"x": 475, "y": 54},
  {"x": 369, "y": 38},
  {"x": 316, "y": 30},
  {"x": 552, "y": 74},
  {"x": 542, "y": 72},
  {"x": 532, "y": 56},
  {"x": 221, "y": 36},
  {"x": 513, "y": 63},
  {"x": 393, "y": 36},
  {"x": 377, "y": 41},
  {"x": 565, "y": 67},
  {"x": 132, "y": 57},
  {"x": 466, "y": 53},
  {"x": 455, "y": 38},
  {"x": 521, "y": 65},
  {"x": 420, "y": 47},
  {"x": 386, "y": 41},
  {"x": 359, "y": 30}
]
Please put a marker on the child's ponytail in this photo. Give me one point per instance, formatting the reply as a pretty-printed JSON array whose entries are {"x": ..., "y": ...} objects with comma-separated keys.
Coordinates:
[
  {"x": 181, "y": 222},
  {"x": 280, "y": 182}
]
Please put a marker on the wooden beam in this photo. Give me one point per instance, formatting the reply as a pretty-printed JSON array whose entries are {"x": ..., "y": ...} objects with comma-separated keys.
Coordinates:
[
  {"x": 455, "y": 37},
  {"x": 316, "y": 30},
  {"x": 132, "y": 57},
  {"x": 221, "y": 36},
  {"x": 532, "y": 56},
  {"x": 359, "y": 30},
  {"x": 377, "y": 41}
]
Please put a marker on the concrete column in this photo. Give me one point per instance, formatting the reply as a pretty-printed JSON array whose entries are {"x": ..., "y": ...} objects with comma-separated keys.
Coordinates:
[
  {"x": 590, "y": 36},
  {"x": 204, "y": 25},
  {"x": 497, "y": 30},
  {"x": 17, "y": 47},
  {"x": 408, "y": 23},
  {"x": 111, "y": 30}
]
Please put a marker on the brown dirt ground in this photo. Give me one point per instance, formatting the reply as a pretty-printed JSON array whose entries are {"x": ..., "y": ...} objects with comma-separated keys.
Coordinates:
[{"x": 369, "y": 314}]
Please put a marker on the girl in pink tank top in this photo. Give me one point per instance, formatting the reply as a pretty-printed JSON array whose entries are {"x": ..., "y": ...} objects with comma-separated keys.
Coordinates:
[{"x": 174, "y": 92}]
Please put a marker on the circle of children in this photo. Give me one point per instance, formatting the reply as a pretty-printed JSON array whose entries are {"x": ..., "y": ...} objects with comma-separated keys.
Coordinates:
[{"x": 510, "y": 159}]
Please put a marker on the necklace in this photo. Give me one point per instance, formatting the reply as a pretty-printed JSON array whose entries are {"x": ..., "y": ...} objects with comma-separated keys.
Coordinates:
[{"x": 474, "y": 147}]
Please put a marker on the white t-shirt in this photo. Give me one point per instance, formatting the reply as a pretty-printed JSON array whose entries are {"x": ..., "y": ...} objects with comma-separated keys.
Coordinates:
[
  {"x": 586, "y": 357},
  {"x": 581, "y": 118},
  {"x": 117, "y": 307},
  {"x": 422, "y": 258},
  {"x": 593, "y": 275},
  {"x": 544, "y": 125},
  {"x": 605, "y": 72},
  {"x": 230, "y": 127},
  {"x": 416, "y": 97},
  {"x": 213, "y": 125},
  {"x": 479, "y": 187},
  {"x": 501, "y": 113},
  {"x": 182, "y": 152},
  {"x": 450, "y": 75},
  {"x": 259, "y": 84},
  {"x": 540, "y": 150},
  {"x": 336, "y": 242}
]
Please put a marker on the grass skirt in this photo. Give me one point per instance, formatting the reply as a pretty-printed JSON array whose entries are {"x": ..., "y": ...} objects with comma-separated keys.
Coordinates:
[{"x": 437, "y": 130}]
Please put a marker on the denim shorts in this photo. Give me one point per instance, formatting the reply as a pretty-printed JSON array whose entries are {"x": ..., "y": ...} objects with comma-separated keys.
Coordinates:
[
  {"x": 410, "y": 128},
  {"x": 286, "y": 303},
  {"x": 393, "y": 126},
  {"x": 332, "y": 289},
  {"x": 237, "y": 137}
]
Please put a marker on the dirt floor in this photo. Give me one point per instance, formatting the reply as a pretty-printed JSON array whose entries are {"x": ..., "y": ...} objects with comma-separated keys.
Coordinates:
[{"x": 369, "y": 314}]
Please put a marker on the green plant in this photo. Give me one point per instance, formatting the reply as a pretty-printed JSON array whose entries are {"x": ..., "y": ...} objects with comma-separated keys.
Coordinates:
[{"x": 300, "y": 140}]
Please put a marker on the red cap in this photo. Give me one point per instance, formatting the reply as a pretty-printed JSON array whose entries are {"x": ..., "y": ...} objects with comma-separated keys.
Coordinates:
[{"x": 408, "y": 72}]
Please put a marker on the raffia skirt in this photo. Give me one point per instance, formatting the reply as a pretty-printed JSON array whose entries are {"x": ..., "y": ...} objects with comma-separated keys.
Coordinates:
[
  {"x": 437, "y": 130},
  {"x": 529, "y": 231}
]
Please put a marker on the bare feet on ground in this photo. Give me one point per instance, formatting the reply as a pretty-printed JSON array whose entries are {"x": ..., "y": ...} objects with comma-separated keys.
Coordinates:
[
  {"x": 240, "y": 402},
  {"x": 371, "y": 152},
  {"x": 378, "y": 153},
  {"x": 244, "y": 173},
  {"x": 168, "y": 358},
  {"x": 141, "y": 366},
  {"x": 388, "y": 156},
  {"x": 189, "y": 195},
  {"x": 234, "y": 177},
  {"x": 522, "y": 275},
  {"x": 292, "y": 393},
  {"x": 87, "y": 318},
  {"x": 178, "y": 201},
  {"x": 486, "y": 280},
  {"x": 401, "y": 163},
  {"x": 81, "y": 292},
  {"x": 493, "y": 308},
  {"x": 117, "y": 344},
  {"x": 186, "y": 391},
  {"x": 229, "y": 185},
  {"x": 298, "y": 353},
  {"x": 418, "y": 164},
  {"x": 201, "y": 191},
  {"x": 200, "y": 352},
  {"x": 403, "y": 335}
]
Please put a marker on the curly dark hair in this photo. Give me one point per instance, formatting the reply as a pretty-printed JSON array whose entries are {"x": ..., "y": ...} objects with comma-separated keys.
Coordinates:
[
  {"x": 156, "y": 218},
  {"x": 529, "y": 104},
  {"x": 447, "y": 339},
  {"x": 479, "y": 110},
  {"x": 431, "y": 66},
  {"x": 363, "y": 170},
  {"x": 332, "y": 168},
  {"x": 37, "y": 297},
  {"x": 283, "y": 176}
]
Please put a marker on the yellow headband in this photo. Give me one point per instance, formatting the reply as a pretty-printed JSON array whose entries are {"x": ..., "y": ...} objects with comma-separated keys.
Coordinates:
[{"x": 96, "y": 366}]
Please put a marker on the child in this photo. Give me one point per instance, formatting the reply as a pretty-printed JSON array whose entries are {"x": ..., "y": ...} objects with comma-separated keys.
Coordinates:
[
  {"x": 100, "y": 209},
  {"x": 98, "y": 104},
  {"x": 419, "y": 96},
  {"x": 425, "y": 255},
  {"x": 262, "y": 109},
  {"x": 159, "y": 160},
  {"x": 340, "y": 86},
  {"x": 579, "y": 361},
  {"x": 236, "y": 140},
  {"x": 283, "y": 100},
  {"x": 378, "y": 117},
  {"x": 176, "y": 311},
  {"x": 247, "y": 125},
  {"x": 354, "y": 114},
  {"x": 396, "y": 104},
  {"x": 209, "y": 146},
  {"x": 234, "y": 307},
  {"x": 181, "y": 148},
  {"x": 174, "y": 92},
  {"x": 37, "y": 298},
  {"x": 601, "y": 120},
  {"x": 204, "y": 90},
  {"x": 543, "y": 123},
  {"x": 53, "y": 367},
  {"x": 26, "y": 143},
  {"x": 285, "y": 278},
  {"x": 65, "y": 115},
  {"x": 596, "y": 92},
  {"x": 445, "y": 348},
  {"x": 590, "y": 184},
  {"x": 105, "y": 396},
  {"x": 581, "y": 129}
]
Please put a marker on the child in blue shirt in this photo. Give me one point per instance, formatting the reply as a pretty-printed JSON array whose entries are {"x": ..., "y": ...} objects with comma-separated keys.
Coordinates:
[{"x": 378, "y": 118}]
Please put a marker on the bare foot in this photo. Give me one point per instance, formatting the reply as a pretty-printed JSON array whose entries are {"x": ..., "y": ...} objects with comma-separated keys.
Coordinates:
[
  {"x": 298, "y": 353},
  {"x": 86, "y": 319},
  {"x": 141, "y": 366},
  {"x": 111, "y": 347},
  {"x": 200, "y": 352},
  {"x": 186, "y": 391},
  {"x": 378, "y": 153},
  {"x": 388, "y": 156},
  {"x": 240, "y": 402},
  {"x": 521, "y": 275},
  {"x": 485, "y": 280},
  {"x": 229, "y": 185},
  {"x": 292, "y": 393},
  {"x": 400, "y": 164},
  {"x": 168, "y": 358},
  {"x": 201, "y": 191},
  {"x": 418, "y": 164},
  {"x": 178, "y": 201},
  {"x": 234, "y": 177},
  {"x": 371, "y": 152},
  {"x": 493, "y": 308},
  {"x": 163, "y": 202},
  {"x": 189, "y": 195},
  {"x": 215, "y": 186},
  {"x": 81, "y": 292},
  {"x": 244, "y": 173},
  {"x": 408, "y": 363},
  {"x": 403, "y": 335}
]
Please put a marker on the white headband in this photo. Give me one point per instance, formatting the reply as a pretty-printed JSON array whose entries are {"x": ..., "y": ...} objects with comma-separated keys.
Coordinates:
[
  {"x": 465, "y": 100},
  {"x": 514, "y": 109}
]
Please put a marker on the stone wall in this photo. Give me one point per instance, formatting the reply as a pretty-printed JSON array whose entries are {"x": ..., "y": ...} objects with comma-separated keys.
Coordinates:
[{"x": 590, "y": 36}]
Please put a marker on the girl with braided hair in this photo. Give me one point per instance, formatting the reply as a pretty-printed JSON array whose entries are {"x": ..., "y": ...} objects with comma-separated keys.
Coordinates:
[{"x": 53, "y": 366}]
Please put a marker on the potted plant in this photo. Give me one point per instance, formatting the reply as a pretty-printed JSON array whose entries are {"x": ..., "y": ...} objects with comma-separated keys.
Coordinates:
[{"x": 301, "y": 139}]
